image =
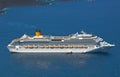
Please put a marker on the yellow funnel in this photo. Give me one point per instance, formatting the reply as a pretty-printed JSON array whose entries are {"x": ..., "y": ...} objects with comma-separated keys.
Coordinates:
[{"x": 38, "y": 33}]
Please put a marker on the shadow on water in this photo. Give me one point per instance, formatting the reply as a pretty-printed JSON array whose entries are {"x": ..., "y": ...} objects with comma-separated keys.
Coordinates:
[
  {"x": 45, "y": 61},
  {"x": 11, "y": 3},
  {"x": 100, "y": 53}
]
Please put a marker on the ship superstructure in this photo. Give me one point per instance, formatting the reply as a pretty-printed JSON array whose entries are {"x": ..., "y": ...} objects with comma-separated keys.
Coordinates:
[{"x": 75, "y": 43}]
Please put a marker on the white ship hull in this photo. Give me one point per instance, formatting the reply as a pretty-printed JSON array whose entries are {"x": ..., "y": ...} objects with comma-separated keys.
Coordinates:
[
  {"x": 50, "y": 50},
  {"x": 68, "y": 50}
]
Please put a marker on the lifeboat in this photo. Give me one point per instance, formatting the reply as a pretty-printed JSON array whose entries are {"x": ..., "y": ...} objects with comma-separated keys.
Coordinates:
[
  {"x": 85, "y": 46},
  {"x": 35, "y": 46},
  {"x": 80, "y": 46},
  {"x": 75, "y": 46},
  {"x": 61, "y": 46},
  {"x": 70, "y": 46},
  {"x": 25, "y": 46},
  {"x": 41, "y": 46},
  {"x": 30, "y": 46},
  {"x": 64, "y": 46},
  {"x": 46, "y": 46},
  {"x": 55, "y": 46},
  {"x": 58, "y": 46},
  {"x": 51, "y": 46}
]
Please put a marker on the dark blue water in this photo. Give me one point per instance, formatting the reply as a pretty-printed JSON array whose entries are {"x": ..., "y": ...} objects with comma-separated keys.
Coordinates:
[{"x": 100, "y": 17}]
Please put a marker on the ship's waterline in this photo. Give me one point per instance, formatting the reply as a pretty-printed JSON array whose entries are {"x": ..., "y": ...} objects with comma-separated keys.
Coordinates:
[{"x": 75, "y": 43}]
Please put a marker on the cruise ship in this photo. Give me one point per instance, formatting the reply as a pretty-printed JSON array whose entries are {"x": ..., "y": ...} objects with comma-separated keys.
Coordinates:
[{"x": 73, "y": 43}]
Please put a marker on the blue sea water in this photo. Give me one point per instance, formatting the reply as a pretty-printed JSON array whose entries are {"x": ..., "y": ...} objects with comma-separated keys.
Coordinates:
[{"x": 99, "y": 17}]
